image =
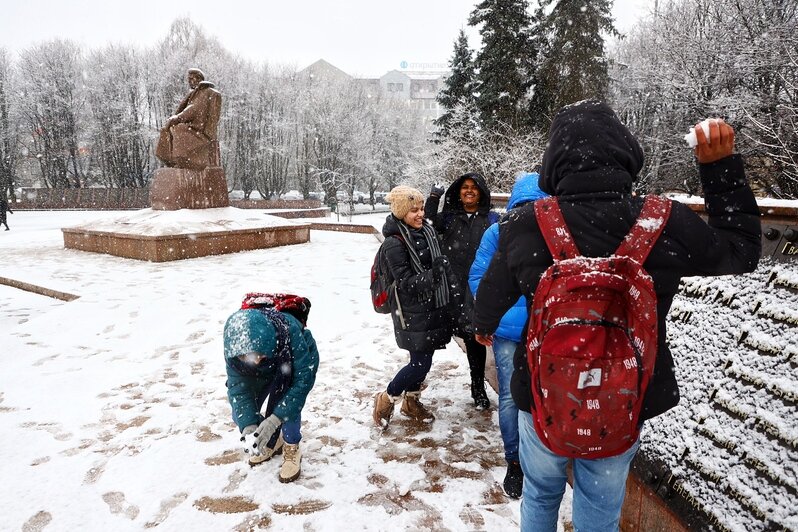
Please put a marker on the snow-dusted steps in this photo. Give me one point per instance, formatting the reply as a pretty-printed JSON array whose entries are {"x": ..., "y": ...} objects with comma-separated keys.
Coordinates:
[{"x": 727, "y": 457}]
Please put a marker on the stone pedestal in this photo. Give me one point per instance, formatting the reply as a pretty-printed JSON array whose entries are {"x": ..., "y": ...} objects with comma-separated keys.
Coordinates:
[
  {"x": 178, "y": 188},
  {"x": 160, "y": 236}
]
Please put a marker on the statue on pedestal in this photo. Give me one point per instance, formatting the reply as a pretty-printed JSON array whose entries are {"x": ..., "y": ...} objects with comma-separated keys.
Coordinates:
[
  {"x": 189, "y": 148},
  {"x": 188, "y": 138}
]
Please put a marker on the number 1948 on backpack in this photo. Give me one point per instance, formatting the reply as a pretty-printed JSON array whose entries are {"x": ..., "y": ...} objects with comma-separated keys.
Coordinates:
[{"x": 592, "y": 340}]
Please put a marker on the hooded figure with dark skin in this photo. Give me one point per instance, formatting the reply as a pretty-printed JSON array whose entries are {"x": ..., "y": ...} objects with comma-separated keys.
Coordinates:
[
  {"x": 590, "y": 164},
  {"x": 465, "y": 216}
]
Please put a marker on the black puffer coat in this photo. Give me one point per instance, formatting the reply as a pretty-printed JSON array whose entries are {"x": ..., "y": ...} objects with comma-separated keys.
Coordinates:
[
  {"x": 425, "y": 327},
  {"x": 461, "y": 233},
  {"x": 590, "y": 164}
]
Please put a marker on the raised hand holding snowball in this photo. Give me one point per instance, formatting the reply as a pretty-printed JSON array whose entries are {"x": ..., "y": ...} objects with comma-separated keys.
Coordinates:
[{"x": 718, "y": 145}]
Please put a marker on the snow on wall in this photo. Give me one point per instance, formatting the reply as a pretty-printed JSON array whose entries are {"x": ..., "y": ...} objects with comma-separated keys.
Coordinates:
[{"x": 729, "y": 452}]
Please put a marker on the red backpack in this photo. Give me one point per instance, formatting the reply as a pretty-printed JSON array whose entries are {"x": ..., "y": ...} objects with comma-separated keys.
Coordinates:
[
  {"x": 592, "y": 339},
  {"x": 297, "y": 306},
  {"x": 383, "y": 287}
]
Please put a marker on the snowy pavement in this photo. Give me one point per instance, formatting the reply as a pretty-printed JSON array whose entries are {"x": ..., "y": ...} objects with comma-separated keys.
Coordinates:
[{"x": 115, "y": 417}]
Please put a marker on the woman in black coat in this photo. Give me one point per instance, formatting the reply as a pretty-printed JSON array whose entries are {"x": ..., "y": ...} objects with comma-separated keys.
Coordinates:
[
  {"x": 465, "y": 216},
  {"x": 420, "y": 312}
]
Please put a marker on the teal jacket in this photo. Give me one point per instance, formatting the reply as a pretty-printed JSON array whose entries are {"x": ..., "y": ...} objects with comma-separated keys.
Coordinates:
[{"x": 243, "y": 390}]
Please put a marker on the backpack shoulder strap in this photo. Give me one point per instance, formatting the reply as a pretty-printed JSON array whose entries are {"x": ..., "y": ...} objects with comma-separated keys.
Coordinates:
[
  {"x": 552, "y": 226},
  {"x": 646, "y": 230}
]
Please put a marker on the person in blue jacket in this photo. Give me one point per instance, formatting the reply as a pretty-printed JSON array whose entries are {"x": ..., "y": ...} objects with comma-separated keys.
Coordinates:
[
  {"x": 269, "y": 354},
  {"x": 508, "y": 334}
]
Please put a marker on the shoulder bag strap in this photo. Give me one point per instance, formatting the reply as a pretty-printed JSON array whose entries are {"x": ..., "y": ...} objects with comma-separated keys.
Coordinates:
[
  {"x": 552, "y": 226},
  {"x": 646, "y": 230}
]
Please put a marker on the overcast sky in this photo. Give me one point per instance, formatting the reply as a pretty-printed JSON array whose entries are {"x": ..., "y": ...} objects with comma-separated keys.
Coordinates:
[{"x": 362, "y": 37}]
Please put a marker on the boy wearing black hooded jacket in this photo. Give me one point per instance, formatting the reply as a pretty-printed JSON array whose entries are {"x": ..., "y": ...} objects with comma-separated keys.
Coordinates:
[
  {"x": 590, "y": 164},
  {"x": 465, "y": 216}
]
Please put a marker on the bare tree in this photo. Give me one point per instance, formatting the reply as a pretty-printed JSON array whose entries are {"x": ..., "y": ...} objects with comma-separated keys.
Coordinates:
[
  {"x": 120, "y": 143},
  {"x": 52, "y": 103},
  {"x": 499, "y": 154},
  {"x": 733, "y": 59},
  {"x": 8, "y": 134}
]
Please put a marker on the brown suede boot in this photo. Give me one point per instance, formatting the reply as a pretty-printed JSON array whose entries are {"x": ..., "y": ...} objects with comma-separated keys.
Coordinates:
[
  {"x": 414, "y": 409},
  {"x": 383, "y": 408}
]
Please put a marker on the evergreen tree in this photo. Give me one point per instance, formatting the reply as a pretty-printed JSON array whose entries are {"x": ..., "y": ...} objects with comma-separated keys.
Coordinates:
[
  {"x": 573, "y": 66},
  {"x": 459, "y": 90},
  {"x": 505, "y": 63}
]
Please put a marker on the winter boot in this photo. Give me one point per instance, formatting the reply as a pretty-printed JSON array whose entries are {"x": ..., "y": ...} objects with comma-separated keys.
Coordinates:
[
  {"x": 263, "y": 457},
  {"x": 383, "y": 408},
  {"x": 513, "y": 480},
  {"x": 478, "y": 394},
  {"x": 414, "y": 409},
  {"x": 292, "y": 458}
]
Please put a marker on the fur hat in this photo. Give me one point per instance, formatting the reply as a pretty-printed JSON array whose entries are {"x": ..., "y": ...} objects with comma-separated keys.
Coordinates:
[{"x": 404, "y": 198}]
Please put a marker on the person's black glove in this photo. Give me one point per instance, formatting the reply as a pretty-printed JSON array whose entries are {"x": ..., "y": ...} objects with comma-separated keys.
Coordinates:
[
  {"x": 440, "y": 265},
  {"x": 436, "y": 191}
]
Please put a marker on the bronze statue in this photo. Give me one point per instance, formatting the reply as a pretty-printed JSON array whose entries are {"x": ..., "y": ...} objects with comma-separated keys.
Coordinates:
[{"x": 188, "y": 138}]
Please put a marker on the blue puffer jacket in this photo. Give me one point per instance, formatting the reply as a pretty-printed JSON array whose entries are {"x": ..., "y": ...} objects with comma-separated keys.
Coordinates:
[
  {"x": 243, "y": 388},
  {"x": 526, "y": 189}
]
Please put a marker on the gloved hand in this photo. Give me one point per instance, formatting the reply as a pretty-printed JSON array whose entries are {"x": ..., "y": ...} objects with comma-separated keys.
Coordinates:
[
  {"x": 436, "y": 191},
  {"x": 266, "y": 430},
  {"x": 720, "y": 143},
  {"x": 249, "y": 441},
  {"x": 440, "y": 265}
]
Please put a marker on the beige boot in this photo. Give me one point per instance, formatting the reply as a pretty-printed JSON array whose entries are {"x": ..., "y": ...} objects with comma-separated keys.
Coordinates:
[
  {"x": 414, "y": 409},
  {"x": 383, "y": 408},
  {"x": 292, "y": 458},
  {"x": 266, "y": 456}
]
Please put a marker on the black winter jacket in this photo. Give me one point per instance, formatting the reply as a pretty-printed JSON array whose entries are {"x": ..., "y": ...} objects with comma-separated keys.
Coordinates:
[
  {"x": 461, "y": 233},
  {"x": 425, "y": 328},
  {"x": 590, "y": 165}
]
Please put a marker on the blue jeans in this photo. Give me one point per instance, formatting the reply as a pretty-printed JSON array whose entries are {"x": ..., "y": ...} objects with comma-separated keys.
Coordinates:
[
  {"x": 599, "y": 485},
  {"x": 503, "y": 352},
  {"x": 291, "y": 432}
]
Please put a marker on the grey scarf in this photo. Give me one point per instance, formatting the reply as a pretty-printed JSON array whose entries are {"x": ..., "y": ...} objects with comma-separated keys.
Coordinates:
[{"x": 441, "y": 291}]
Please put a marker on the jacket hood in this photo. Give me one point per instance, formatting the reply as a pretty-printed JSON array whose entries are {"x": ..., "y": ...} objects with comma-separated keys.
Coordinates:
[
  {"x": 589, "y": 151},
  {"x": 525, "y": 189},
  {"x": 452, "y": 201},
  {"x": 249, "y": 331}
]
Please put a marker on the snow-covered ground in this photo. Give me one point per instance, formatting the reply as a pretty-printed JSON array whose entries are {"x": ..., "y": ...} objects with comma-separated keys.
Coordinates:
[{"x": 114, "y": 415}]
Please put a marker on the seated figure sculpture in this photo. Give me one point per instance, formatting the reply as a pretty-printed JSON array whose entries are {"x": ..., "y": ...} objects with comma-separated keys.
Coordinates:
[{"x": 188, "y": 138}]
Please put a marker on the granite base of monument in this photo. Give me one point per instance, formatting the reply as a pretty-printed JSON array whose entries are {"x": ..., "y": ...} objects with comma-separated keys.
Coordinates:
[
  {"x": 166, "y": 235},
  {"x": 179, "y": 188}
]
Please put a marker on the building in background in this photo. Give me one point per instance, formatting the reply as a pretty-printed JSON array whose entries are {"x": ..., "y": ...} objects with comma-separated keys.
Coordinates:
[{"x": 418, "y": 87}]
